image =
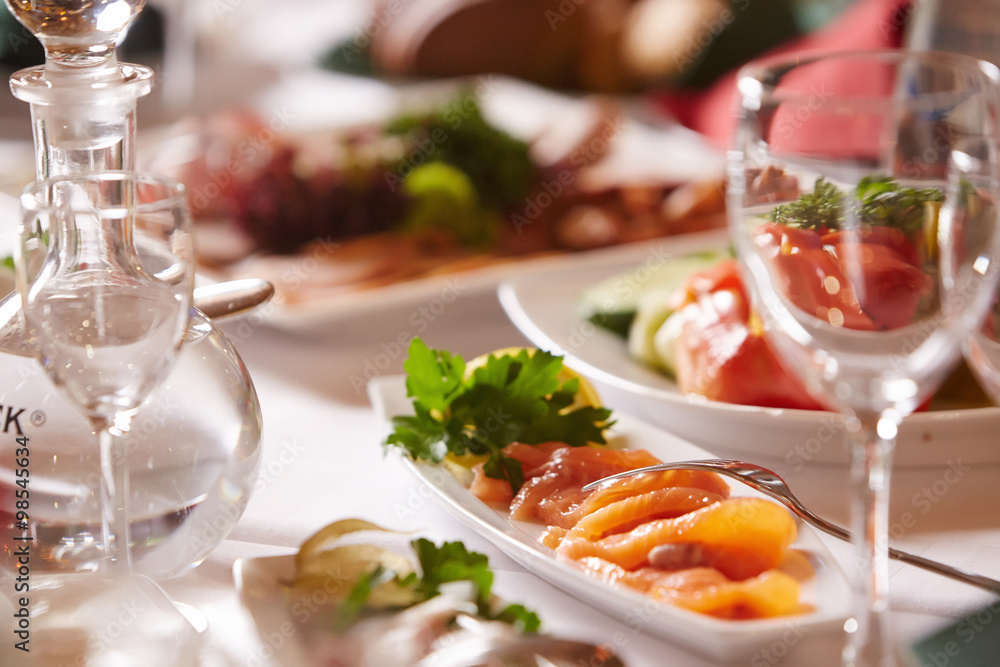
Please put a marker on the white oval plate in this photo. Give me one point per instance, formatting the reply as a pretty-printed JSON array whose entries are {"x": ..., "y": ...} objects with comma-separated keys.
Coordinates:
[
  {"x": 827, "y": 592},
  {"x": 544, "y": 307}
]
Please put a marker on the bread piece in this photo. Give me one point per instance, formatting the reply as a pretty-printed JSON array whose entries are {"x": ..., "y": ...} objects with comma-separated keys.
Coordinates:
[{"x": 556, "y": 43}]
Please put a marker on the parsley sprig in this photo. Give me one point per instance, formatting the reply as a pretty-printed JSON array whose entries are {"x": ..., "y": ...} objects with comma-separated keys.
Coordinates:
[
  {"x": 510, "y": 398},
  {"x": 453, "y": 562},
  {"x": 440, "y": 565},
  {"x": 879, "y": 201},
  {"x": 819, "y": 209},
  {"x": 885, "y": 203}
]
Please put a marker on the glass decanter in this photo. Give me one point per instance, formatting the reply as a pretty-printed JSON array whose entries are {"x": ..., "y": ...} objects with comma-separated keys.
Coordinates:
[{"x": 194, "y": 447}]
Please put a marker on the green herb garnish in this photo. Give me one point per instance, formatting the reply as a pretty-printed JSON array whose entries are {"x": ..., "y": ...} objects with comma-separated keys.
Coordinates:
[
  {"x": 884, "y": 203},
  {"x": 514, "y": 398},
  {"x": 351, "y": 607},
  {"x": 440, "y": 565},
  {"x": 499, "y": 165},
  {"x": 442, "y": 197},
  {"x": 879, "y": 202},
  {"x": 819, "y": 209}
]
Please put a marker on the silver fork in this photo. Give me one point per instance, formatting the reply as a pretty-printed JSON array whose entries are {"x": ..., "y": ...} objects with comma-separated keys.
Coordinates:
[{"x": 769, "y": 483}]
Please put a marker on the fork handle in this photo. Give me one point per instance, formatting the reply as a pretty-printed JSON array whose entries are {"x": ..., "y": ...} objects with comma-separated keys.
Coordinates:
[{"x": 979, "y": 580}]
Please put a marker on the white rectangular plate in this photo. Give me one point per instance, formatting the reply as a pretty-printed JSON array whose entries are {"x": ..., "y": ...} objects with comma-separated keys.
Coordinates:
[{"x": 827, "y": 593}]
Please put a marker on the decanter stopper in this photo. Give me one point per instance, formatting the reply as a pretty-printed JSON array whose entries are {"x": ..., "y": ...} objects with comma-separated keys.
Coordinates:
[
  {"x": 82, "y": 99},
  {"x": 76, "y": 33}
]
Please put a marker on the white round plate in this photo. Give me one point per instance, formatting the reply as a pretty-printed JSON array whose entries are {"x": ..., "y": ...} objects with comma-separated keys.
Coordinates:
[{"x": 544, "y": 306}]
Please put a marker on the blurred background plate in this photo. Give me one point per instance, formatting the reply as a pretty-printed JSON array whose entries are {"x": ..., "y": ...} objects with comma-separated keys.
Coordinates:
[{"x": 603, "y": 145}]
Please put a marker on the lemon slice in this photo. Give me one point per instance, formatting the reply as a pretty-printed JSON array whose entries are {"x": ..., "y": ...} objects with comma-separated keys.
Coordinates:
[
  {"x": 586, "y": 395},
  {"x": 322, "y": 565},
  {"x": 325, "y": 538},
  {"x": 338, "y": 570}
]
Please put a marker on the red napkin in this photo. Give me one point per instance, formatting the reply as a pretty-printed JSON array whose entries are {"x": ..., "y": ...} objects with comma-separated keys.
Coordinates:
[{"x": 868, "y": 24}]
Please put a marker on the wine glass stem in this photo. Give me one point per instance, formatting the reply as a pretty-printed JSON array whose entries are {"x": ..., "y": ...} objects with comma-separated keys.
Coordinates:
[
  {"x": 869, "y": 641},
  {"x": 114, "y": 500}
]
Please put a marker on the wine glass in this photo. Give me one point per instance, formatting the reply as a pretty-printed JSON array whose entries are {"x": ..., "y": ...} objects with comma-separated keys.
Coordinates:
[
  {"x": 848, "y": 176},
  {"x": 105, "y": 272}
]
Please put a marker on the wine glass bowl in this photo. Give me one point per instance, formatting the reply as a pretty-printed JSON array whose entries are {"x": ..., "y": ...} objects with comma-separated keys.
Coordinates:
[
  {"x": 983, "y": 353},
  {"x": 107, "y": 307},
  {"x": 970, "y": 272},
  {"x": 858, "y": 183}
]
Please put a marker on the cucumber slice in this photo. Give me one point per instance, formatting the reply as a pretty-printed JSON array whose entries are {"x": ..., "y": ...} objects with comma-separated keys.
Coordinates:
[
  {"x": 652, "y": 312},
  {"x": 614, "y": 303},
  {"x": 665, "y": 343}
]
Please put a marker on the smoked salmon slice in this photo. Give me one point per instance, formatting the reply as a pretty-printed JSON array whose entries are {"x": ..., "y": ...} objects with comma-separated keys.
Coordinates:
[
  {"x": 626, "y": 514},
  {"x": 498, "y": 491},
  {"x": 620, "y": 489},
  {"x": 551, "y": 496},
  {"x": 711, "y": 553},
  {"x": 706, "y": 590},
  {"x": 740, "y": 537}
]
